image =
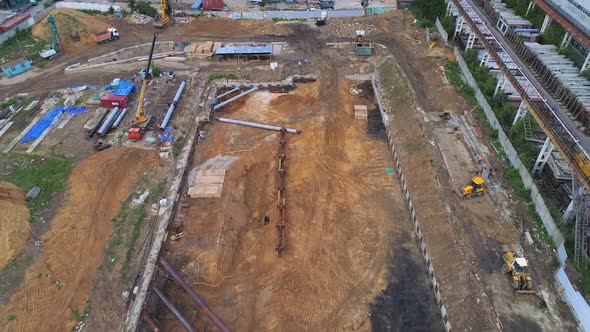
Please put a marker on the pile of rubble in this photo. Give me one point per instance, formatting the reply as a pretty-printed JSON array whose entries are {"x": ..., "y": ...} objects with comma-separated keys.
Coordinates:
[
  {"x": 140, "y": 19},
  {"x": 184, "y": 19},
  {"x": 347, "y": 30}
]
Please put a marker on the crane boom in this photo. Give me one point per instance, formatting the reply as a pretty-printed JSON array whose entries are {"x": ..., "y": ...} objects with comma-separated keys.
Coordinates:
[{"x": 140, "y": 116}]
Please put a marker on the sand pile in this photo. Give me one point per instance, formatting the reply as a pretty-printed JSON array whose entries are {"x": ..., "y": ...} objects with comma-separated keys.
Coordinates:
[
  {"x": 14, "y": 222},
  {"x": 69, "y": 23}
]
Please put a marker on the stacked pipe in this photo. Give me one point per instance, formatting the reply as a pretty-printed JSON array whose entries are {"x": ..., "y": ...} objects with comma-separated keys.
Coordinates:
[
  {"x": 100, "y": 119},
  {"x": 173, "y": 105},
  {"x": 281, "y": 184},
  {"x": 203, "y": 306},
  {"x": 218, "y": 106},
  {"x": 120, "y": 118},
  {"x": 225, "y": 94},
  {"x": 174, "y": 310},
  {"x": 108, "y": 122}
]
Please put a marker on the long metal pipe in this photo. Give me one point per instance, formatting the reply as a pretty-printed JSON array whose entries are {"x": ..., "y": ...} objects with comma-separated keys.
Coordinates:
[
  {"x": 216, "y": 107},
  {"x": 173, "y": 105},
  {"x": 200, "y": 302},
  {"x": 120, "y": 118},
  {"x": 108, "y": 122},
  {"x": 227, "y": 93},
  {"x": 174, "y": 310},
  {"x": 150, "y": 322},
  {"x": 97, "y": 125},
  {"x": 258, "y": 125}
]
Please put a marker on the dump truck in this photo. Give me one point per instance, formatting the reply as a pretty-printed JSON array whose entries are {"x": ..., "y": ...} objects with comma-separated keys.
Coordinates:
[{"x": 107, "y": 36}]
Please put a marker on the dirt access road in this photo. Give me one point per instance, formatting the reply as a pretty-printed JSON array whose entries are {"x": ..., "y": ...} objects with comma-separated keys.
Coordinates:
[
  {"x": 61, "y": 278},
  {"x": 349, "y": 241},
  {"x": 466, "y": 238}
]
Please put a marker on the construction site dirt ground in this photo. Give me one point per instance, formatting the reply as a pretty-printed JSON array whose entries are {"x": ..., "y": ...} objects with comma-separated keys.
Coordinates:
[{"x": 348, "y": 232}]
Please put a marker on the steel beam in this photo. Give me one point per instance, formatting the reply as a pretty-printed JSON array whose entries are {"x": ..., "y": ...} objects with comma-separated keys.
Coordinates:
[{"x": 174, "y": 310}]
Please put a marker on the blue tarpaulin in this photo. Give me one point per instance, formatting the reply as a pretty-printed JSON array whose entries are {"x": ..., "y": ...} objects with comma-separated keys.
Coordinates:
[
  {"x": 41, "y": 125},
  {"x": 166, "y": 137},
  {"x": 50, "y": 119},
  {"x": 124, "y": 88},
  {"x": 197, "y": 5}
]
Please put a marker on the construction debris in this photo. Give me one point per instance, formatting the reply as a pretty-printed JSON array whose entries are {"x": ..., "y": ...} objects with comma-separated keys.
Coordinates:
[{"x": 140, "y": 19}]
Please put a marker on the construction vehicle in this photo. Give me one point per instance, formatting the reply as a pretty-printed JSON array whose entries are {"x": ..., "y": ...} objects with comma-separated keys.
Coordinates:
[
  {"x": 476, "y": 187},
  {"x": 520, "y": 280},
  {"x": 136, "y": 129},
  {"x": 165, "y": 11},
  {"x": 53, "y": 49},
  {"x": 107, "y": 36}
]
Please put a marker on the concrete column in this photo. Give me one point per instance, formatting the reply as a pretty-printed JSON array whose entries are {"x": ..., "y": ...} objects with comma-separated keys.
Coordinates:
[
  {"x": 530, "y": 7},
  {"x": 484, "y": 58},
  {"x": 586, "y": 64},
  {"x": 546, "y": 23},
  {"x": 543, "y": 156},
  {"x": 566, "y": 39},
  {"x": 501, "y": 83},
  {"x": 470, "y": 40},
  {"x": 520, "y": 112},
  {"x": 450, "y": 8},
  {"x": 569, "y": 212},
  {"x": 459, "y": 25}
]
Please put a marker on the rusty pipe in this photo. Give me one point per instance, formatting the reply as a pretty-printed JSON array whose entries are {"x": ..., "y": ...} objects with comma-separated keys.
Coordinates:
[
  {"x": 146, "y": 318},
  {"x": 174, "y": 310},
  {"x": 199, "y": 300}
]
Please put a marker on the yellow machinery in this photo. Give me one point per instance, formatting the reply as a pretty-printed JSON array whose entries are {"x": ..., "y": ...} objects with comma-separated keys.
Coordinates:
[
  {"x": 520, "y": 280},
  {"x": 140, "y": 116},
  {"x": 165, "y": 10},
  {"x": 476, "y": 187}
]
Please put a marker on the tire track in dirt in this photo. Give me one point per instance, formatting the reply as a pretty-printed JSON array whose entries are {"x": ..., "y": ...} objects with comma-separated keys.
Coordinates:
[{"x": 61, "y": 278}]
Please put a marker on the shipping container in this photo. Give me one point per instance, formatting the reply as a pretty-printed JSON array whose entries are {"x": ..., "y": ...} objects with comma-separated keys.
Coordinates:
[
  {"x": 212, "y": 5},
  {"x": 14, "y": 21},
  {"x": 111, "y": 101}
]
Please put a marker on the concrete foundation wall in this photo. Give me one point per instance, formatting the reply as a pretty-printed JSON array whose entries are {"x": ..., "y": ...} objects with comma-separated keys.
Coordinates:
[{"x": 443, "y": 33}]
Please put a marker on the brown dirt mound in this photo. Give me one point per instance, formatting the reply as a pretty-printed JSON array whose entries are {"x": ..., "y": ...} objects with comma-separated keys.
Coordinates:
[
  {"x": 14, "y": 222},
  {"x": 70, "y": 22},
  {"x": 60, "y": 280}
]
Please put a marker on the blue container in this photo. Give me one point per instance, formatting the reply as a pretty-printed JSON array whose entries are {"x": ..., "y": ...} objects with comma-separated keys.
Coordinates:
[{"x": 17, "y": 68}]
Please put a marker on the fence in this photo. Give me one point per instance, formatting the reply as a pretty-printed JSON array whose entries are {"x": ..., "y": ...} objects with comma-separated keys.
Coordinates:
[
  {"x": 21, "y": 26},
  {"x": 574, "y": 298}
]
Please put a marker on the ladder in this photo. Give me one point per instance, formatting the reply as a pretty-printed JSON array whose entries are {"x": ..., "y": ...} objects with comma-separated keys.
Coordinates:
[{"x": 528, "y": 132}]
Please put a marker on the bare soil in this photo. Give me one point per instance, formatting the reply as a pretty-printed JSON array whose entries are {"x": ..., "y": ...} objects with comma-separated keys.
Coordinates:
[
  {"x": 14, "y": 222},
  {"x": 345, "y": 213},
  {"x": 60, "y": 279}
]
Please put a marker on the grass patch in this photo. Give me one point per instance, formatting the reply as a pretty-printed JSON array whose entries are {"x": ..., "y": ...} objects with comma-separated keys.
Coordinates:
[
  {"x": 28, "y": 171},
  {"x": 11, "y": 317},
  {"x": 21, "y": 45},
  {"x": 222, "y": 76},
  {"x": 177, "y": 146},
  {"x": 12, "y": 276}
]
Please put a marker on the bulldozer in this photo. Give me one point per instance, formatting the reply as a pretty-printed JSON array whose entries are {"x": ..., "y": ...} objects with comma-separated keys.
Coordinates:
[
  {"x": 520, "y": 280},
  {"x": 476, "y": 187}
]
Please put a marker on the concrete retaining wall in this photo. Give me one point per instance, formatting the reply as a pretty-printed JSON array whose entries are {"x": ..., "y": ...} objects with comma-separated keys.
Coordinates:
[
  {"x": 576, "y": 301},
  {"x": 410, "y": 205},
  {"x": 101, "y": 7},
  {"x": 515, "y": 161},
  {"x": 443, "y": 33}
]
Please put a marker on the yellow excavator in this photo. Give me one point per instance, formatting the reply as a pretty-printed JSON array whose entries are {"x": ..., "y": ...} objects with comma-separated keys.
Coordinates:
[
  {"x": 165, "y": 11},
  {"x": 476, "y": 187},
  {"x": 135, "y": 131},
  {"x": 520, "y": 280}
]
